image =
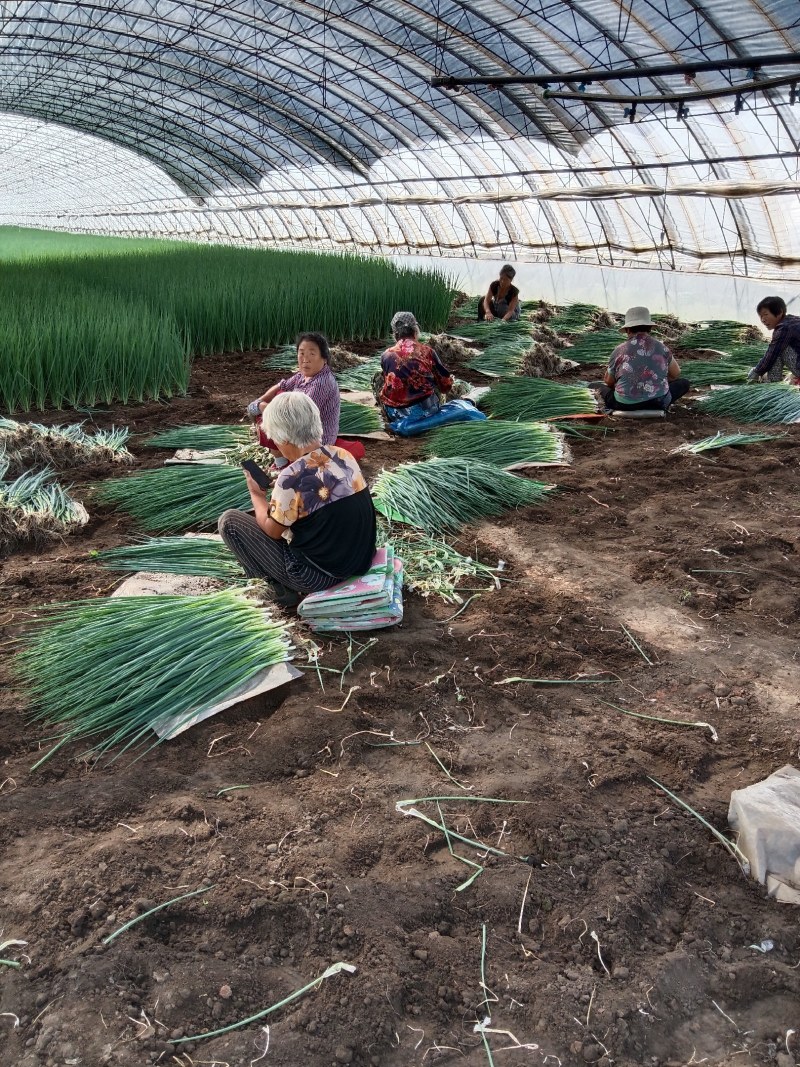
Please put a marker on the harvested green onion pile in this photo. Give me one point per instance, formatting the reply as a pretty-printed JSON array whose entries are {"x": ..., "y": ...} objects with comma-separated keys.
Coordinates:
[
  {"x": 441, "y": 494},
  {"x": 358, "y": 419},
  {"x": 497, "y": 330},
  {"x": 105, "y": 671},
  {"x": 358, "y": 379},
  {"x": 284, "y": 359},
  {"x": 469, "y": 309},
  {"x": 174, "y": 499},
  {"x": 768, "y": 402},
  {"x": 502, "y": 357},
  {"x": 714, "y": 372},
  {"x": 501, "y": 443},
  {"x": 748, "y": 355},
  {"x": 574, "y": 318},
  {"x": 201, "y": 438},
  {"x": 532, "y": 399},
  {"x": 721, "y": 334},
  {"x": 34, "y": 508},
  {"x": 723, "y": 440},
  {"x": 432, "y": 567},
  {"x": 28, "y": 444},
  {"x": 203, "y": 557},
  {"x": 594, "y": 347}
]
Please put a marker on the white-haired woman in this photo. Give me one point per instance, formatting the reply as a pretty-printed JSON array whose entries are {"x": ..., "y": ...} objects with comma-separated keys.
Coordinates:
[{"x": 318, "y": 527}]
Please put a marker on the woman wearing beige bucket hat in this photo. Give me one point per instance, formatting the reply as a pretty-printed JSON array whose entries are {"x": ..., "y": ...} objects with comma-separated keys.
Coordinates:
[{"x": 642, "y": 372}]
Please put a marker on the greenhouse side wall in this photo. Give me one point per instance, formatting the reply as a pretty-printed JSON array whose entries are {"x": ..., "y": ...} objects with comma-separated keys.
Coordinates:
[{"x": 692, "y": 297}]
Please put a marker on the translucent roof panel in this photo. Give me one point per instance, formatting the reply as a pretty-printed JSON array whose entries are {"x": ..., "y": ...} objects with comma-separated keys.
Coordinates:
[{"x": 315, "y": 124}]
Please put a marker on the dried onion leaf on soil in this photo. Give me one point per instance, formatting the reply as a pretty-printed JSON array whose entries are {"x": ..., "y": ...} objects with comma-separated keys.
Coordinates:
[
  {"x": 176, "y": 498},
  {"x": 432, "y": 567},
  {"x": 106, "y": 671},
  {"x": 439, "y": 494}
]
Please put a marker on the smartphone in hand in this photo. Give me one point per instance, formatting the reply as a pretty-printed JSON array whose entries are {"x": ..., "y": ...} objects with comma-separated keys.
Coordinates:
[{"x": 259, "y": 476}]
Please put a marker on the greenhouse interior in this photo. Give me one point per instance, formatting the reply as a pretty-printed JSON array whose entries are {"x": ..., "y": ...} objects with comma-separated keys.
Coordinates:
[{"x": 397, "y": 533}]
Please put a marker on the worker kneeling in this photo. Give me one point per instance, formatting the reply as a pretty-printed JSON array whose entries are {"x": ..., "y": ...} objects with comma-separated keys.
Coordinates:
[
  {"x": 318, "y": 526},
  {"x": 414, "y": 378},
  {"x": 642, "y": 372}
]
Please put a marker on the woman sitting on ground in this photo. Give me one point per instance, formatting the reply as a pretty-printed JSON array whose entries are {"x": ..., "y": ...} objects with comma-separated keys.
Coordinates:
[
  {"x": 318, "y": 527},
  {"x": 315, "y": 379},
  {"x": 784, "y": 350},
  {"x": 642, "y": 372},
  {"x": 502, "y": 299},
  {"x": 413, "y": 375}
]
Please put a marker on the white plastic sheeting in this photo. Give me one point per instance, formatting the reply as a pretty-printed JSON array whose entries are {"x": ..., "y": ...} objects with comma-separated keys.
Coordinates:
[{"x": 313, "y": 124}]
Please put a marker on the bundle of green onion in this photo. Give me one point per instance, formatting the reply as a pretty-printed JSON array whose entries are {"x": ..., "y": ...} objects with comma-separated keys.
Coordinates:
[
  {"x": 33, "y": 507},
  {"x": 358, "y": 379},
  {"x": 532, "y": 399},
  {"x": 441, "y": 494},
  {"x": 358, "y": 418},
  {"x": 467, "y": 310},
  {"x": 748, "y": 355},
  {"x": 106, "y": 671},
  {"x": 432, "y": 567},
  {"x": 495, "y": 331},
  {"x": 502, "y": 357},
  {"x": 720, "y": 333},
  {"x": 768, "y": 402},
  {"x": 594, "y": 347},
  {"x": 714, "y": 372},
  {"x": 574, "y": 318},
  {"x": 501, "y": 443},
  {"x": 723, "y": 440},
  {"x": 28, "y": 444},
  {"x": 203, "y": 557},
  {"x": 201, "y": 438},
  {"x": 174, "y": 499},
  {"x": 284, "y": 359}
]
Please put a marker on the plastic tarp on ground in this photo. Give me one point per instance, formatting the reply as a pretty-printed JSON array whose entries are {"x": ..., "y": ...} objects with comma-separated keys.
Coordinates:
[{"x": 314, "y": 124}]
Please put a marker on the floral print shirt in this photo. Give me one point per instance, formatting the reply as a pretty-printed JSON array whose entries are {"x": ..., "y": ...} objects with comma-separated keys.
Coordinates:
[
  {"x": 312, "y": 481},
  {"x": 639, "y": 368},
  {"x": 412, "y": 372}
]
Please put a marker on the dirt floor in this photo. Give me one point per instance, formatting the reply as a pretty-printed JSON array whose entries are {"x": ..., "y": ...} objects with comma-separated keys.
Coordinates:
[{"x": 616, "y": 929}]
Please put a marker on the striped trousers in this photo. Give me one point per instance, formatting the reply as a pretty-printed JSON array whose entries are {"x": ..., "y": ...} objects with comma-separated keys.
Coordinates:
[{"x": 265, "y": 557}]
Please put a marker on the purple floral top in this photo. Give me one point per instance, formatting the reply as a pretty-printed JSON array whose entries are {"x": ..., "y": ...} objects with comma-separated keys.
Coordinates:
[
  {"x": 321, "y": 477},
  {"x": 639, "y": 368}
]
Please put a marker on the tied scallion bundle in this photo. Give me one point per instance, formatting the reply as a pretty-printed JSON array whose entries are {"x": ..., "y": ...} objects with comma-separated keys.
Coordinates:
[
  {"x": 776, "y": 402},
  {"x": 359, "y": 379},
  {"x": 174, "y": 499},
  {"x": 33, "y": 507},
  {"x": 714, "y": 372},
  {"x": 496, "y": 331},
  {"x": 106, "y": 671},
  {"x": 723, "y": 440},
  {"x": 29, "y": 444},
  {"x": 284, "y": 359},
  {"x": 203, "y": 557},
  {"x": 504, "y": 444},
  {"x": 206, "y": 438},
  {"x": 441, "y": 494},
  {"x": 594, "y": 347},
  {"x": 574, "y": 318},
  {"x": 432, "y": 567},
  {"x": 358, "y": 419},
  {"x": 533, "y": 399}
]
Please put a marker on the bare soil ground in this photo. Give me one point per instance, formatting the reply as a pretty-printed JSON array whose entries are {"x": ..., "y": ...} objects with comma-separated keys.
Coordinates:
[{"x": 625, "y": 933}]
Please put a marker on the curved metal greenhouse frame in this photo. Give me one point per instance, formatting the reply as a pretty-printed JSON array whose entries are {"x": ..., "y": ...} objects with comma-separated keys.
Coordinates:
[{"x": 314, "y": 123}]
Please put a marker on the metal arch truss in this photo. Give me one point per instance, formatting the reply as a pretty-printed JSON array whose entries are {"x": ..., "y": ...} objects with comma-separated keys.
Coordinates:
[{"x": 313, "y": 123}]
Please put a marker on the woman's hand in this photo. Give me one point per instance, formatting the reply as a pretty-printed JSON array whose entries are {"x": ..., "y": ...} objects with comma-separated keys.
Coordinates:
[{"x": 257, "y": 494}]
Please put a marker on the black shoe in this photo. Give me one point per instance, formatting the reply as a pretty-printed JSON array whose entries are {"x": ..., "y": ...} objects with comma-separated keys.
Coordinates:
[{"x": 287, "y": 598}]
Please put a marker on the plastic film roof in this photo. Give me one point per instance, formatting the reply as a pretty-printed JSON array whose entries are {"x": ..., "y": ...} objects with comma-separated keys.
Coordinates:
[{"x": 312, "y": 123}]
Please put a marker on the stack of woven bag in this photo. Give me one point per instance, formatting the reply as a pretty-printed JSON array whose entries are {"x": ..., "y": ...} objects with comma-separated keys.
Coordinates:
[{"x": 371, "y": 602}]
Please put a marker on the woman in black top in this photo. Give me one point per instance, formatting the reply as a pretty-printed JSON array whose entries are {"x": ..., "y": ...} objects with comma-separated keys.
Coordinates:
[
  {"x": 502, "y": 299},
  {"x": 317, "y": 529}
]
